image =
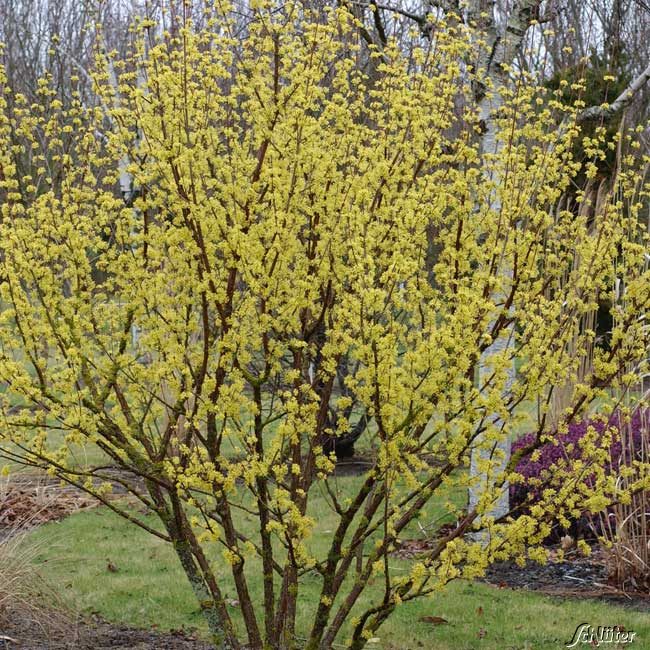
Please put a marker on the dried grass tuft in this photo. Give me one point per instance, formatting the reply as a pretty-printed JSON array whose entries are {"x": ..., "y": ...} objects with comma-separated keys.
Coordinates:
[
  {"x": 626, "y": 526},
  {"x": 24, "y": 595}
]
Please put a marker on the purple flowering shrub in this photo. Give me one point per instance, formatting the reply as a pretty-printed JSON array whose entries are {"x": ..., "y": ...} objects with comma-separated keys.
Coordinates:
[{"x": 536, "y": 468}]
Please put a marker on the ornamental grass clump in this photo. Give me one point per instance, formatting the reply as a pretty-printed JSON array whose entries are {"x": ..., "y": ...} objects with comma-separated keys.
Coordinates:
[
  {"x": 625, "y": 527},
  {"x": 24, "y": 595}
]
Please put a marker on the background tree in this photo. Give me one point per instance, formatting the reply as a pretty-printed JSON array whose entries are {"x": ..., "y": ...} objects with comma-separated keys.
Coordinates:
[
  {"x": 596, "y": 45},
  {"x": 278, "y": 263}
]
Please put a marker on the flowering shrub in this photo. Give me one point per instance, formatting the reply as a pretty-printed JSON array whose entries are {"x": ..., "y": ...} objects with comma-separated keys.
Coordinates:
[
  {"x": 268, "y": 243},
  {"x": 539, "y": 467}
]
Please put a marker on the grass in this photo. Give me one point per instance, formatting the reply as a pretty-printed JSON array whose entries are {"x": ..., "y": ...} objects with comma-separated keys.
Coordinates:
[{"x": 104, "y": 564}]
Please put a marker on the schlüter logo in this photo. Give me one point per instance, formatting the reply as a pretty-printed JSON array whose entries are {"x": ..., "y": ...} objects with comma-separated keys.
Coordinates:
[{"x": 596, "y": 636}]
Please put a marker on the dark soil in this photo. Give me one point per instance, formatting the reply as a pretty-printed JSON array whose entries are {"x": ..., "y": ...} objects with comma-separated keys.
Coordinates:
[
  {"x": 94, "y": 634},
  {"x": 355, "y": 466}
]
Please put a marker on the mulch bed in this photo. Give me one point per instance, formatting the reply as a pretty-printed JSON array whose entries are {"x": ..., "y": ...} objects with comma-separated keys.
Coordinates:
[
  {"x": 574, "y": 577},
  {"x": 361, "y": 463},
  {"x": 28, "y": 499},
  {"x": 554, "y": 575},
  {"x": 94, "y": 634}
]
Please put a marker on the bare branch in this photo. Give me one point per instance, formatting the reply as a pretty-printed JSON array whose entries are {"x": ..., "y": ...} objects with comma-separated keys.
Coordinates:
[{"x": 606, "y": 111}]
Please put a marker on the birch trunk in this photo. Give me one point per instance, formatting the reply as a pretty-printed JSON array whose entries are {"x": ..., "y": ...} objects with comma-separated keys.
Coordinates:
[{"x": 502, "y": 47}]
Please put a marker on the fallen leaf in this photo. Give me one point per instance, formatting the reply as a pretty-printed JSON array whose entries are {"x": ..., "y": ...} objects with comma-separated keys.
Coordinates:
[
  {"x": 111, "y": 567},
  {"x": 479, "y": 611},
  {"x": 233, "y": 602},
  {"x": 434, "y": 620},
  {"x": 482, "y": 633}
]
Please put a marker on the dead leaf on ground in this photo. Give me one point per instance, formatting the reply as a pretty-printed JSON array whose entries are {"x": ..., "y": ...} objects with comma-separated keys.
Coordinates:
[
  {"x": 434, "y": 620},
  {"x": 482, "y": 633},
  {"x": 479, "y": 611}
]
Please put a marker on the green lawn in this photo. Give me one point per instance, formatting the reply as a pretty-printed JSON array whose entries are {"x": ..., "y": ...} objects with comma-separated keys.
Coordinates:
[{"x": 145, "y": 586}]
